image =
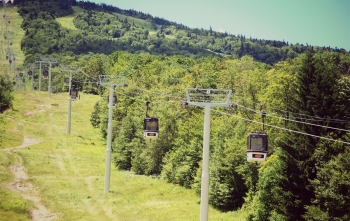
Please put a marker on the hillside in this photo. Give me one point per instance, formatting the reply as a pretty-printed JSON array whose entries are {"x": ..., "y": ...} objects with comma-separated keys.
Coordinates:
[
  {"x": 101, "y": 28},
  {"x": 301, "y": 103}
]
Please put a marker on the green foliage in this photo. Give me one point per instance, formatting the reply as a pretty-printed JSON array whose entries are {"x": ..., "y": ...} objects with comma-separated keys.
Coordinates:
[
  {"x": 305, "y": 178},
  {"x": 227, "y": 185},
  {"x": 104, "y": 29},
  {"x": 181, "y": 164},
  {"x": 304, "y": 187},
  {"x": 95, "y": 115},
  {"x": 280, "y": 189},
  {"x": 332, "y": 187},
  {"x": 6, "y": 89}
]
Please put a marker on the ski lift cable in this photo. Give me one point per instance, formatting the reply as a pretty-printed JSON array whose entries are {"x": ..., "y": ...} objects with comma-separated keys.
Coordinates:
[
  {"x": 305, "y": 115},
  {"x": 282, "y": 118},
  {"x": 144, "y": 101},
  {"x": 268, "y": 124},
  {"x": 256, "y": 111},
  {"x": 154, "y": 92},
  {"x": 253, "y": 110},
  {"x": 97, "y": 80},
  {"x": 84, "y": 82},
  {"x": 277, "y": 127},
  {"x": 320, "y": 118}
]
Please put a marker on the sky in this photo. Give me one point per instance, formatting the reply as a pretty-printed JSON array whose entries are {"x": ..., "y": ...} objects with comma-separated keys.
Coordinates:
[{"x": 312, "y": 22}]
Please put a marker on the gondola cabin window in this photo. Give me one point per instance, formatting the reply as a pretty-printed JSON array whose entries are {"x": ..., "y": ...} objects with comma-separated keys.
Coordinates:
[{"x": 256, "y": 143}]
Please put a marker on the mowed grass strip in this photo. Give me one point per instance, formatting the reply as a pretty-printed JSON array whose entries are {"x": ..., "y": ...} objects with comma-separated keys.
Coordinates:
[
  {"x": 67, "y": 21},
  {"x": 14, "y": 34}
]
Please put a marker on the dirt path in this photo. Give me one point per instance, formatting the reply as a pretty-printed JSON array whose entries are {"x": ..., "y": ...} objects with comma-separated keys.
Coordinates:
[{"x": 24, "y": 187}]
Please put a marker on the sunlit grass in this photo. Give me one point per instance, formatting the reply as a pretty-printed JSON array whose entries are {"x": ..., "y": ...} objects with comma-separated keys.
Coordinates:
[
  {"x": 68, "y": 170},
  {"x": 11, "y": 28},
  {"x": 67, "y": 21}
]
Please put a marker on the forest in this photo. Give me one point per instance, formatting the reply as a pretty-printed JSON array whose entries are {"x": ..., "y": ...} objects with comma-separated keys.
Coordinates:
[
  {"x": 304, "y": 91},
  {"x": 102, "y": 28}
]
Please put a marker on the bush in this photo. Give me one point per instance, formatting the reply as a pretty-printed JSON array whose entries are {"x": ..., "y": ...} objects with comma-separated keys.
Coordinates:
[{"x": 6, "y": 96}]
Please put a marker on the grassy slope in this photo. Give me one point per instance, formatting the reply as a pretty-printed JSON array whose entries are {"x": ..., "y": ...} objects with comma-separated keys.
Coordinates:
[
  {"x": 12, "y": 206},
  {"x": 15, "y": 33},
  {"x": 68, "y": 170},
  {"x": 67, "y": 21}
]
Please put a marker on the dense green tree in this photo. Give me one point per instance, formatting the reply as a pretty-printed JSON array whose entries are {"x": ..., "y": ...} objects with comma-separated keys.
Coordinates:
[
  {"x": 332, "y": 186},
  {"x": 316, "y": 89},
  {"x": 6, "y": 89},
  {"x": 227, "y": 184},
  {"x": 95, "y": 115}
]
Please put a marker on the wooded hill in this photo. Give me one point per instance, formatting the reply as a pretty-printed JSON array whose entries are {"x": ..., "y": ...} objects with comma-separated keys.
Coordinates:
[
  {"x": 102, "y": 28},
  {"x": 305, "y": 97}
]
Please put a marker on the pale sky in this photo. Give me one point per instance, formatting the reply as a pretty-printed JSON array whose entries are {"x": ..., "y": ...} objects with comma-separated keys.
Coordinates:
[{"x": 313, "y": 22}]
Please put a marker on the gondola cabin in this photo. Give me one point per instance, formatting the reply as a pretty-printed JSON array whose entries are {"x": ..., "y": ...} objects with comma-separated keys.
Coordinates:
[
  {"x": 30, "y": 73},
  {"x": 46, "y": 73},
  {"x": 66, "y": 81},
  {"x": 114, "y": 100},
  {"x": 150, "y": 127},
  {"x": 257, "y": 145},
  {"x": 73, "y": 93}
]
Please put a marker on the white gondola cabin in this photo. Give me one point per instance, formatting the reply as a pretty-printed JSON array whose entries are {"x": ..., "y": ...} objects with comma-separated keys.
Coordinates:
[
  {"x": 257, "y": 145},
  {"x": 150, "y": 127}
]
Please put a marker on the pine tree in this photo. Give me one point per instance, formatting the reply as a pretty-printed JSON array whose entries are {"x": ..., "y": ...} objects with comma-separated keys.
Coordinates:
[
  {"x": 95, "y": 116},
  {"x": 316, "y": 93}
]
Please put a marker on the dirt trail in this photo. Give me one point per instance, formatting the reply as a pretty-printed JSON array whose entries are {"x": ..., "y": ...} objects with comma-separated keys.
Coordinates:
[{"x": 24, "y": 187}]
